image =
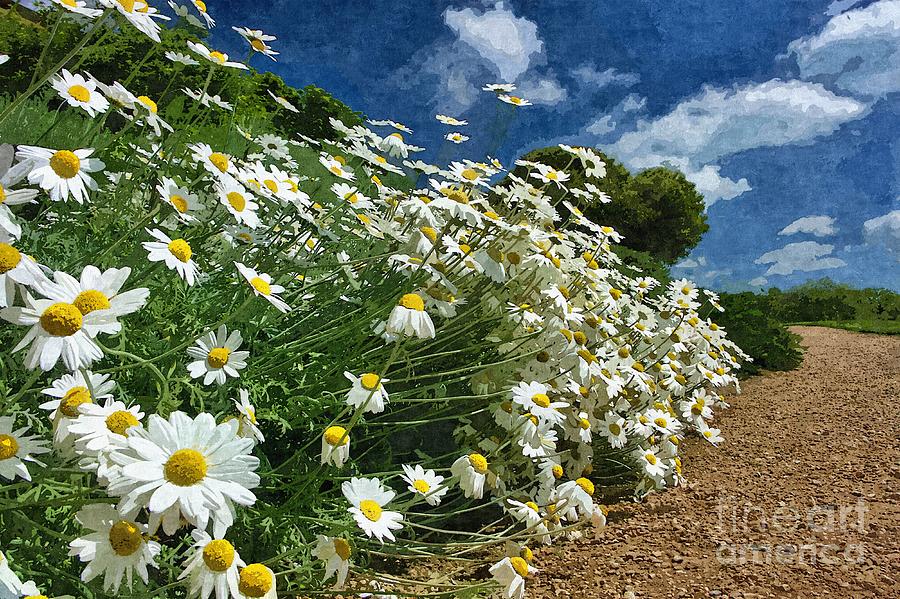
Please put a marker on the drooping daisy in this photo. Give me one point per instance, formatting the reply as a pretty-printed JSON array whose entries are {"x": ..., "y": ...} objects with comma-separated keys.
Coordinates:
[
  {"x": 185, "y": 203},
  {"x": 10, "y": 176},
  {"x": 16, "y": 448},
  {"x": 58, "y": 330},
  {"x": 97, "y": 290},
  {"x": 176, "y": 253},
  {"x": 335, "y": 552},
  {"x": 256, "y": 581},
  {"x": 249, "y": 428},
  {"x": 283, "y": 102},
  {"x": 214, "y": 56},
  {"x": 456, "y": 137},
  {"x": 62, "y": 172},
  {"x": 78, "y": 7},
  {"x": 71, "y": 391},
  {"x": 368, "y": 497},
  {"x": 258, "y": 41},
  {"x": 336, "y": 165},
  {"x": 200, "y": 5},
  {"x": 510, "y": 573},
  {"x": 410, "y": 318},
  {"x": 213, "y": 566},
  {"x": 217, "y": 357},
  {"x": 15, "y": 267},
  {"x": 262, "y": 286},
  {"x": 367, "y": 391},
  {"x": 116, "y": 547},
  {"x": 499, "y": 87},
  {"x": 335, "y": 446},
  {"x": 187, "y": 466},
  {"x": 471, "y": 470},
  {"x": 216, "y": 163},
  {"x": 238, "y": 201},
  {"x": 514, "y": 100},
  {"x": 139, "y": 14},
  {"x": 449, "y": 120},
  {"x": 574, "y": 498},
  {"x": 424, "y": 483},
  {"x": 180, "y": 58},
  {"x": 79, "y": 92}
]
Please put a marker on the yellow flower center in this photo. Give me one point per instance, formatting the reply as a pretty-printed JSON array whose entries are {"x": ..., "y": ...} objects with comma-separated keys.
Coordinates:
[
  {"x": 586, "y": 485},
  {"x": 615, "y": 429},
  {"x": 9, "y": 257},
  {"x": 370, "y": 381},
  {"x": 65, "y": 164},
  {"x": 541, "y": 399},
  {"x": 179, "y": 202},
  {"x": 336, "y": 435},
  {"x": 8, "y": 447},
  {"x": 125, "y": 538},
  {"x": 651, "y": 459},
  {"x": 36, "y": 597},
  {"x": 413, "y": 301},
  {"x": 90, "y": 300},
  {"x": 120, "y": 421},
  {"x": 218, "y": 357},
  {"x": 237, "y": 200},
  {"x": 470, "y": 174},
  {"x": 218, "y": 56},
  {"x": 584, "y": 423},
  {"x": 661, "y": 422},
  {"x": 220, "y": 161},
  {"x": 519, "y": 565},
  {"x": 218, "y": 555},
  {"x": 127, "y": 5},
  {"x": 557, "y": 471},
  {"x": 255, "y": 580},
  {"x": 150, "y": 104},
  {"x": 73, "y": 398},
  {"x": 342, "y": 548},
  {"x": 271, "y": 185},
  {"x": 514, "y": 258},
  {"x": 478, "y": 462},
  {"x": 430, "y": 233},
  {"x": 258, "y": 45},
  {"x": 2, "y": 194},
  {"x": 80, "y": 93},
  {"x": 261, "y": 285},
  {"x": 185, "y": 467},
  {"x": 370, "y": 509},
  {"x": 201, "y": 5},
  {"x": 70, "y": 3},
  {"x": 61, "y": 319},
  {"x": 527, "y": 554},
  {"x": 422, "y": 486},
  {"x": 532, "y": 505},
  {"x": 181, "y": 249}
]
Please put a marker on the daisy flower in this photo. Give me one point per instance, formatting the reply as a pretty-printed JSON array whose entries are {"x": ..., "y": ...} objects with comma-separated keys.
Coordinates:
[
  {"x": 238, "y": 201},
  {"x": 514, "y": 100},
  {"x": 139, "y": 14},
  {"x": 534, "y": 399},
  {"x": 424, "y": 483},
  {"x": 179, "y": 58},
  {"x": 336, "y": 165},
  {"x": 256, "y": 581},
  {"x": 262, "y": 286},
  {"x": 185, "y": 203},
  {"x": 449, "y": 120},
  {"x": 335, "y": 446},
  {"x": 577, "y": 497},
  {"x": 283, "y": 103},
  {"x": 58, "y": 330},
  {"x": 185, "y": 13},
  {"x": 471, "y": 470},
  {"x": 186, "y": 466},
  {"x": 200, "y": 5},
  {"x": 456, "y": 137},
  {"x": 499, "y": 87},
  {"x": 548, "y": 174},
  {"x": 258, "y": 41},
  {"x": 176, "y": 253},
  {"x": 15, "y": 267},
  {"x": 71, "y": 391},
  {"x": 410, "y": 318},
  {"x": 650, "y": 462},
  {"x": 335, "y": 552},
  {"x": 10, "y": 176},
  {"x": 79, "y": 92},
  {"x": 16, "y": 448},
  {"x": 510, "y": 573},
  {"x": 613, "y": 428},
  {"x": 216, "y": 356},
  {"x": 368, "y": 497},
  {"x": 97, "y": 290},
  {"x": 116, "y": 547},
  {"x": 62, "y": 172},
  {"x": 100, "y": 428},
  {"x": 214, "y": 56},
  {"x": 78, "y": 7},
  {"x": 212, "y": 566},
  {"x": 367, "y": 392},
  {"x": 248, "y": 425},
  {"x": 216, "y": 163},
  {"x": 10, "y": 585}
]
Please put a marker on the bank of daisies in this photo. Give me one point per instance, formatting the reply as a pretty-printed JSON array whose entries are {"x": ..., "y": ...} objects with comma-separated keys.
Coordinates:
[{"x": 242, "y": 364}]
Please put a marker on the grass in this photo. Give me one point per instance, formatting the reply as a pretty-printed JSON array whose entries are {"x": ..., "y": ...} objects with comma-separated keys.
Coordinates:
[{"x": 882, "y": 327}]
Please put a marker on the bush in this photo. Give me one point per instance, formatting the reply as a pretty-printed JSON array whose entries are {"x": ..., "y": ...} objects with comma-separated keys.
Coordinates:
[{"x": 749, "y": 320}]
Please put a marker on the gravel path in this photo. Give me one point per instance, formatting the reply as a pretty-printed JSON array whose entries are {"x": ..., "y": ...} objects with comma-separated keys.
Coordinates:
[{"x": 803, "y": 499}]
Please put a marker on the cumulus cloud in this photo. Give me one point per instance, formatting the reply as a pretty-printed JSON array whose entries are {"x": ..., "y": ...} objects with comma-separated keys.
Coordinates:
[
  {"x": 884, "y": 231},
  {"x": 716, "y": 123},
  {"x": 820, "y": 226},
  {"x": 857, "y": 51},
  {"x": 589, "y": 76},
  {"x": 804, "y": 256},
  {"x": 758, "y": 282},
  {"x": 542, "y": 90}
]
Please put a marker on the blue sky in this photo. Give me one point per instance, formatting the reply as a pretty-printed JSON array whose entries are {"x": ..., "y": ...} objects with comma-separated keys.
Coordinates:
[{"x": 785, "y": 114}]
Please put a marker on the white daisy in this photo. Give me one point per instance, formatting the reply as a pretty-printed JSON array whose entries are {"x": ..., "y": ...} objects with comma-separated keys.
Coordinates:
[
  {"x": 510, "y": 573},
  {"x": 16, "y": 268},
  {"x": 185, "y": 203},
  {"x": 367, "y": 391},
  {"x": 368, "y": 497},
  {"x": 62, "y": 172},
  {"x": 613, "y": 428},
  {"x": 471, "y": 470},
  {"x": 256, "y": 581},
  {"x": 200, "y": 5},
  {"x": 176, "y": 253},
  {"x": 180, "y": 58},
  {"x": 424, "y": 483},
  {"x": 214, "y": 56},
  {"x": 10, "y": 585},
  {"x": 238, "y": 201},
  {"x": 117, "y": 547},
  {"x": 283, "y": 103},
  {"x": 213, "y": 566},
  {"x": 410, "y": 318},
  {"x": 79, "y": 92},
  {"x": 189, "y": 466},
  {"x": 449, "y": 120},
  {"x": 71, "y": 391},
  {"x": 216, "y": 356},
  {"x": 100, "y": 428},
  {"x": 258, "y": 41},
  {"x": 262, "y": 286},
  {"x": 534, "y": 398},
  {"x": 216, "y": 163},
  {"x": 78, "y": 7},
  {"x": 248, "y": 428},
  {"x": 514, "y": 100},
  {"x": 139, "y": 14},
  {"x": 10, "y": 176},
  {"x": 335, "y": 446},
  {"x": 335, "y": 552},
  {"x": 499, "y": 87},
  {"x": 16, "y": 448},
  {"x": 456, "y": 137}
]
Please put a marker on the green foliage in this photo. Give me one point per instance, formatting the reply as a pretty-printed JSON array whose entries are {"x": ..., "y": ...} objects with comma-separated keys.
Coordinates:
[
  {"x": 749, "y": 321},
  {"x": 825, "y": 300},
  {"x": 658, "y": 211}
]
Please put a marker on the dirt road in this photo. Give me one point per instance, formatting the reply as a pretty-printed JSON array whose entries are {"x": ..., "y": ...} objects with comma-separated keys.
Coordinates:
[{"x": 803, "y": 499}]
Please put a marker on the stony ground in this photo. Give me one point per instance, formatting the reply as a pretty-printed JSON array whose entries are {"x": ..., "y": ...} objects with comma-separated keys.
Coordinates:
[{"x": 803, "y": 499}]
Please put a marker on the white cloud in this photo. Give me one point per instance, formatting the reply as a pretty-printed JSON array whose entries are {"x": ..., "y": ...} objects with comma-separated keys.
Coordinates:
[
  {"x": 543, "y": 90},
  {"x": 716, "y": 123},
  {"x": 758, "y": 282},
  {"x": 498, "y": 35},
  {"x": 820, "y": 226},
  {"x": 803, "y": 256},
  {"x": 601, "y": 126},
  {"x": 884, "y": 230},
  {"x": 857, "y": 51},
  {"x": 688, "y": 263},
  {"x": 588, "y": 75},
  {"x": 633, "y": 103},
  {"x": 839, "y": 6}
]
